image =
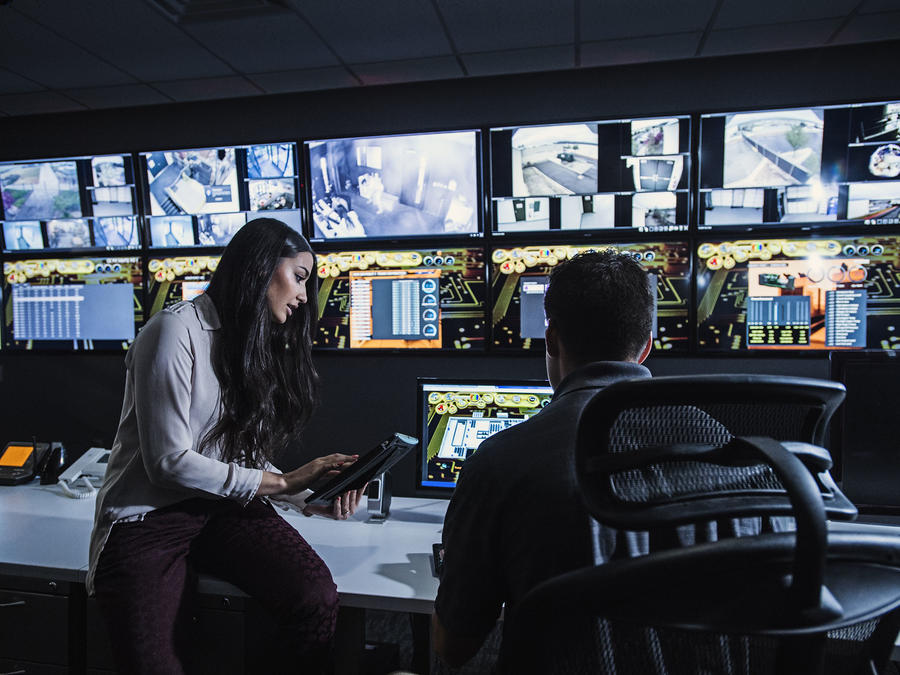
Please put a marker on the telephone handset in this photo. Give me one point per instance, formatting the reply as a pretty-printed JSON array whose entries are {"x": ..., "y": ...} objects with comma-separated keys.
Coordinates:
[{"x": 82, "y": 478}]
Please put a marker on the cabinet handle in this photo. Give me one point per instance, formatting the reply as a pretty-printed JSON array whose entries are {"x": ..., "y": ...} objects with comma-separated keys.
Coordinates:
[
  {"x": 14, "y": 672},
  {"x": 14, "y": 603}
]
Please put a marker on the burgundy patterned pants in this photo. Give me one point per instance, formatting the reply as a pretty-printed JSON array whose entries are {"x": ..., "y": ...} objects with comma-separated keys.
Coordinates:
[{"x": 145, "y": 583}]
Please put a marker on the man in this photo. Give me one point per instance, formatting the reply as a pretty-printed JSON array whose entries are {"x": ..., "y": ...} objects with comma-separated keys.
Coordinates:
[{"x": 515, "y": 518}]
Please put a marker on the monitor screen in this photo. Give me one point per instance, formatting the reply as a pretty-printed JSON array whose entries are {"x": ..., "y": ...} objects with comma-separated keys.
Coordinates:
[
  {"x": 801, "y": 168},
  {"x": 864, "y": 442},
  {"x": 72, "y": 303},
  {"x": 631, "y": 173},
  {"x": 417, "y": 185},
  {"x": 798, "y": 294},
  {"x": 69, "y": 204},
  {"x": 519, "y": 277},
  {"x": 201, "y": 197},
  {"x": 401, "y": 299},
  {"x": 455, "y": 416},
  {"x": 171, "y": 280}
]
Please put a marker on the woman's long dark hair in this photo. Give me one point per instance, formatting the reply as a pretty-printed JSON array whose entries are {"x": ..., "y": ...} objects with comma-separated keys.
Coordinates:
[{"x": 269, "y": 386}]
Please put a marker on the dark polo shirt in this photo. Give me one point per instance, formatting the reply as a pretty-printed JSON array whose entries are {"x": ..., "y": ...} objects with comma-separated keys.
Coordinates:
[{"x": 515, "y": 518}]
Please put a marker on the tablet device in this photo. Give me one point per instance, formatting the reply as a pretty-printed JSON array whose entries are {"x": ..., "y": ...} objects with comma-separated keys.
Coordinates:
[{"x": 376, "y": 461}]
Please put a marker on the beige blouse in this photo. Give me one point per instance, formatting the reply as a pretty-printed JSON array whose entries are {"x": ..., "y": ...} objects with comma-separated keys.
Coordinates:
[{"x": 171, "y": 401}]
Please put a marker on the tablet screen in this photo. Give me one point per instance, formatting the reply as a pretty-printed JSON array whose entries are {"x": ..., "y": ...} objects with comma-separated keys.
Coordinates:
[{"x": 377, "y": 460}]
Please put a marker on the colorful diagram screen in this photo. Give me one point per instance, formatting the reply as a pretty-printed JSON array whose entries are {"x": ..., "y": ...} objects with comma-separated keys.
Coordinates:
[
  {"x": 72, "y": 304},
  {"x": 519, "y": 278},
  {"x": 620, "y": 173},
  {"x": 796, "y": 294},
  {"x": 801, "y": 167},
  {"x": 402, "y": 299},
  {"x": 171, "y": 280},
  {"x": 456, "y": 418}
]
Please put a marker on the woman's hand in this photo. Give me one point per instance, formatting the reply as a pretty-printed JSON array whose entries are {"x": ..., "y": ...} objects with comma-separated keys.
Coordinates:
[
  {"x": 342, "y": 508},
  {"x": 305, "y": 477}
]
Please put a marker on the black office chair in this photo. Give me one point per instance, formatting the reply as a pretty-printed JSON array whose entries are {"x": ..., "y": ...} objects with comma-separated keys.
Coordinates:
[{"x": 662, "y": 453}]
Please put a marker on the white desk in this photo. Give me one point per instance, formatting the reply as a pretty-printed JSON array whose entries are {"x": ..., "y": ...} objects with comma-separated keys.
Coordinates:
[
  {"x": 375, "y": 565},
  {"x": 383, "y": 565}
]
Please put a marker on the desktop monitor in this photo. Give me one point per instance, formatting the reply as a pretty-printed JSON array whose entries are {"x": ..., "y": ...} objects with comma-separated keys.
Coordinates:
[
  {"x": 388, "y": 187},
  {"x": 864, "y": 442},
  {"x": 519, "y": 277},
  {"x": 68, "y": 204},
  {"x": 804, "y": 293},
  {"x": 72, "y": 304},
  {"x": 630, "y": 173},
  {"x": 801, "y": 168},
  {"x": 455, "y": 416},
  {"x": 173, "y": 279},
  {"x": 201, "y": 197},
  {"x": 425, "y": 298}
]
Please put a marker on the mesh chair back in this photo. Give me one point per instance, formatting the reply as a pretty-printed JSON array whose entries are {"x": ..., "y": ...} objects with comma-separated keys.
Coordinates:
[
  {"x": 653, "y": 454},
  {"x": 630, "y": 479}
]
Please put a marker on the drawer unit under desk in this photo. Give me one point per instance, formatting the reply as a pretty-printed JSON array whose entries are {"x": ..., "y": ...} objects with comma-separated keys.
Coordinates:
[{"x": 42, "y": 622}]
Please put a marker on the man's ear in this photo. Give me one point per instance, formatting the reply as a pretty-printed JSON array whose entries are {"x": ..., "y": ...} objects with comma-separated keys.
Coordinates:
[
  {"x": 551, "y": 335},
  {"x": 645, "y": 352}
]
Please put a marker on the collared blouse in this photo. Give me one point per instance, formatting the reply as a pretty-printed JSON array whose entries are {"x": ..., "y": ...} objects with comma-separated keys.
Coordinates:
[{"x": 171, "y": 401}]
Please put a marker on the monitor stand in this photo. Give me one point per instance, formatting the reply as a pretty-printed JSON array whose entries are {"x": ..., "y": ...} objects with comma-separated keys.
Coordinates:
[{"x": 378, "y": 497}]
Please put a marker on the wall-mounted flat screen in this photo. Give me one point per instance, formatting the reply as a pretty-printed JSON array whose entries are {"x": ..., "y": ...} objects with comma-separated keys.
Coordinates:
[
  {"x": 801, "y": 168},
  {"x": 417, "y": 185},
  {"x": 72, "y": 303},
  {"x": 456, "y": 416},
  {"x": 630, "y": 173},
  {"x": 173, "y": 279},
  {"x": 69, "y": 204},
  {"x": 798, "y": 293},
  {"x": 201, "y": 197},
  {"x": 519, "y": 277},
  {"x": 401, "y": 299}
]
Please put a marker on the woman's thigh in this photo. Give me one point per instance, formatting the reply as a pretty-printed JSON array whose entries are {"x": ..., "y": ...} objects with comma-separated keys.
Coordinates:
[
  {"x": 143, "y": 590},
  {"x": 258, "y": 551}
]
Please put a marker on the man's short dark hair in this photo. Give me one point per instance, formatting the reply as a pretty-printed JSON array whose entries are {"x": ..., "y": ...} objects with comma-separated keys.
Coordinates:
[{"x": 601, "y": 303}]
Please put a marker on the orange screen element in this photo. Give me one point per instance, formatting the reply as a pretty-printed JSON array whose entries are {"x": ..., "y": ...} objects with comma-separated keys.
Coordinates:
[{"x": 16, "y": 455}]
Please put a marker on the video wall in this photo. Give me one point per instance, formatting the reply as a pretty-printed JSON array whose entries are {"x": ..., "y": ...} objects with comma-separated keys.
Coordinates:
[{"x": 762, "y": 231}]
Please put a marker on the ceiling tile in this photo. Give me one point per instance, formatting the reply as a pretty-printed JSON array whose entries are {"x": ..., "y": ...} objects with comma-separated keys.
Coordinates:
[
  {"x": 740, "y": 13},
  {"x": 281, "y": 41},
  {"x": 362, "y": 31},
  {"x": 618, "y": 20},
  {"x": 870, "y": 6},
  {"x": 479, "y": 26},
  {"x": 10, "y": 83},
  {"x": 770, "y": 38},
  {"x": 304, "y": 80},
  {"x": 390, "y": 72},
  {"x": 869, "y": 28},
  {"x": 640, "y": 50},
  {"x": 37, "y": 103},
  {"x": 131, "y": 34},
  {"x": 520, "y": 60},
  {"x": 207, "y": 88},
  {"x": 118, "y": 97},
  {"x": 32, "y": 51}
]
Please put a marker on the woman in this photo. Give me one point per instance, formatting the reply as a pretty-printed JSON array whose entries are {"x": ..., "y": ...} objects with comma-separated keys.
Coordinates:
[{"x": 214, "y": 388}]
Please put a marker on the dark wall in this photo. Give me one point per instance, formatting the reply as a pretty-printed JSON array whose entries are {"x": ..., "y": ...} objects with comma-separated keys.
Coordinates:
[{"x": 78, "y": 398}]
